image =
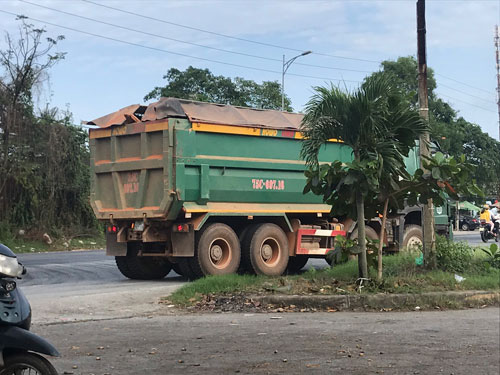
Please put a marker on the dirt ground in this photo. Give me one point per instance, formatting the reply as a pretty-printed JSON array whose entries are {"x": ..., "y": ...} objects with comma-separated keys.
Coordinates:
[{"x": 435, "y": 342}]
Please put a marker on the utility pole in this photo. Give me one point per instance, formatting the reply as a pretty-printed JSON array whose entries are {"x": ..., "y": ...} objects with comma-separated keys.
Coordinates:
[
  {"x": 497, "y": 39},
  {"x": 423, "y": 100}
]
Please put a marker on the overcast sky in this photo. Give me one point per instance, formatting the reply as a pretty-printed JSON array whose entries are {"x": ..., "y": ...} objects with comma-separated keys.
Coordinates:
[{"x": 101, "y": 75}]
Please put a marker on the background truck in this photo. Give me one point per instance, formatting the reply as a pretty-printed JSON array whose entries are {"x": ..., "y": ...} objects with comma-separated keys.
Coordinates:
[{"x": 213, "y": 189}]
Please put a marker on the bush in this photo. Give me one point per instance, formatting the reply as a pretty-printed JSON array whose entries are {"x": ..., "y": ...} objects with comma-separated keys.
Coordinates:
[
  {"x": 453, "y": 256},
  {"x": 398, "y": 264},
  {"x": 493, "y": 255},
  {"x": 5, "y": 231}
]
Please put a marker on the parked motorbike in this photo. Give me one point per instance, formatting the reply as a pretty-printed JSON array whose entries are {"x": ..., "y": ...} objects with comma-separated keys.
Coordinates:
[
  {"x": 20, "y": 349},
  {"x": 487, "y": 233}
]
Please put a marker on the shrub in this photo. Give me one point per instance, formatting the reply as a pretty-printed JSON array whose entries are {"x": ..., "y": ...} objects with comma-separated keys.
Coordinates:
[
  {"x": 399, "y": 264},
  {"x": 453, "y": 256},
  {"x": 493, "y": 255},
  {"x": 5, "y": 231}
]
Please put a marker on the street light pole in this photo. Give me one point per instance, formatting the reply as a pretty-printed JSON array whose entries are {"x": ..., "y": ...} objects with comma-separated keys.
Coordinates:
[{"x": 285, "y": 67}]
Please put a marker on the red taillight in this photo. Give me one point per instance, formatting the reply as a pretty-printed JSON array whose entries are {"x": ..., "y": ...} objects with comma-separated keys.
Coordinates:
[
  {"x": 112, "y": 229},
  {"x": 181, "y": 228}
]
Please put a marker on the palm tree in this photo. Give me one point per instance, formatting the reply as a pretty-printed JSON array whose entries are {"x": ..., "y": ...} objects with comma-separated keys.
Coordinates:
[{"x": 377, "y": 123}]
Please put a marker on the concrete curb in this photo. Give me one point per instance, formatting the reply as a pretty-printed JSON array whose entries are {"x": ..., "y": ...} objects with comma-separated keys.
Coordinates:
[{"x": 452, "y": 299}]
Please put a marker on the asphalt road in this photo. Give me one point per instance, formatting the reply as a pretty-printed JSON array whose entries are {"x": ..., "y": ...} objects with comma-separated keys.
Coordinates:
[
  {"x": 91, "y": 267},
  {"x": 473, "y": 238},
  {"x": 84, "y": 285}
]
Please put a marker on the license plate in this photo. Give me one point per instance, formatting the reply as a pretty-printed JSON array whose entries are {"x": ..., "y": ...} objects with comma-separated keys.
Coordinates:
[
  {"x": 139, "y": 226},
  {"x": 481, "y": 229}
]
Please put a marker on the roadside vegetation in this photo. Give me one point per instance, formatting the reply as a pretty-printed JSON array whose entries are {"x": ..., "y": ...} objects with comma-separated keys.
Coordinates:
[
  {"x": 460, "y": 267},
  {"x": 44, "y": 158},
  {"x": 78, "y": 242}
]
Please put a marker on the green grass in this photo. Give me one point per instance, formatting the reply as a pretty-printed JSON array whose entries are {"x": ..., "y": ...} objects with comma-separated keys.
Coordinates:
[
  {"x": 490, "y": 280},
  {"x": 401, "y": 275},
  {"x": 216, "y": 285}
]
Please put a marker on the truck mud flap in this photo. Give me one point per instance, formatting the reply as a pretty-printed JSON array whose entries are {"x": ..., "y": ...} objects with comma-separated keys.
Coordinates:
[
  {"x": 113, "y": 247},
  {"x": 183, "y": 243}
]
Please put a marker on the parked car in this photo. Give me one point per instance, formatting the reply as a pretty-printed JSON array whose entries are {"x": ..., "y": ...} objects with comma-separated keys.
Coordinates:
[{"x": 468, "y": 223}]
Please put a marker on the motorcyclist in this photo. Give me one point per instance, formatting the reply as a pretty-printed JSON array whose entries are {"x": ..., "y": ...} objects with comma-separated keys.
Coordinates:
[
  {"x": 495, "y": 216},
  {"x": 486, "y": 216}
]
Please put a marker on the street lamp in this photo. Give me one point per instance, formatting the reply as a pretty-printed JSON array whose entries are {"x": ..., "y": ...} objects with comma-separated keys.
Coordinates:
[{"x": 286, "y": 65}]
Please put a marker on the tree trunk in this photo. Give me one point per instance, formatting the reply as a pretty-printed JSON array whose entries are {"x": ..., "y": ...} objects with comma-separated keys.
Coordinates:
[
  {"x": 362, "y": 263},
  {"x": 381, "y": 241}
]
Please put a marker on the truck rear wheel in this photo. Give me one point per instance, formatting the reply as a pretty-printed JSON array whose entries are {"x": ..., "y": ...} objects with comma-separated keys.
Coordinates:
[
  {"x": 217, "y": 251},
  {"x": 369, "y": 232},
  {"x": 266, "y": 250},
  {"x": 296, "y": 263},
  {"x": 242, "y": 236},
  {"x": 142, "y": 268},
  {"x": 413, "y": 238},
  {"x": 184, "y": 265},
  {"x": 177, "y": 269}
]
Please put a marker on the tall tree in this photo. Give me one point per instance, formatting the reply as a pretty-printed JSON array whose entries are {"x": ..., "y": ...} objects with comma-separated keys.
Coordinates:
[
  {"x": 455, "y": 135},
  {"x": 203, "y": 85},
  {"x": 380, "y": 127},
  {"x": 44, "y": 159},
  {"x": 24, "y": 63},
  {"x": 404, "y": 73}
]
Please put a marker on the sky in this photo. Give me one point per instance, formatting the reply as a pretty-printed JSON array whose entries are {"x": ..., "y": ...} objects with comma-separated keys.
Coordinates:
[{"x": 127, "y": 57}]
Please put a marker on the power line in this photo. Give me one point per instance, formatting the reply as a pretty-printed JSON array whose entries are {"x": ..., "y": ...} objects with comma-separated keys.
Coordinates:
[
  {"x": 473, "y": 105},
  {"x": 222, "y": 50},
  {"x": 262, "y": 43},
  {"x": 177, "y": 53},
  {"x": 225, "y": 35},
  {"x": 241, "y": 39},
  {"x": 463, "y": 83},
  {"x": 466, "y": 93},
  {"x": 186, "y": 42}
]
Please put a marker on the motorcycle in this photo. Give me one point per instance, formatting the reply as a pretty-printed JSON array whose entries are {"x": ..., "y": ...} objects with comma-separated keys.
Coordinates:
[
  {"x": 487, "y": 233},
  {"x": 20, "y": 349}
]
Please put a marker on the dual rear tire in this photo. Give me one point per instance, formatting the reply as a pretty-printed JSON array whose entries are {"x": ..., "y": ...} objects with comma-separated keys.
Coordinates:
[
  {"x": 296, "y": 263},
  {"x": 217, "y": 252},
  {"x": 263, "y": 251},
  {"x": 135, "y": 267}
]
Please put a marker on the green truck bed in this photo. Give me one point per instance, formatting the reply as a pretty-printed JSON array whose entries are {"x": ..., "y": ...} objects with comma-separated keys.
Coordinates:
[{"x": 197, "y": 157}]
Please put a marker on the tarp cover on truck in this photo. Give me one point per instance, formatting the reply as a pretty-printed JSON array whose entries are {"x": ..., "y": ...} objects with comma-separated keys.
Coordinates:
[{"x": 201, "y": 112}]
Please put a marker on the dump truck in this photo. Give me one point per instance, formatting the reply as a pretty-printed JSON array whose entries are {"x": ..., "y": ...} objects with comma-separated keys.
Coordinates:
[{"x": 210, "y": 189}]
